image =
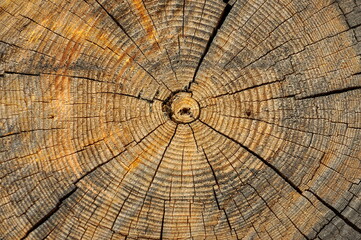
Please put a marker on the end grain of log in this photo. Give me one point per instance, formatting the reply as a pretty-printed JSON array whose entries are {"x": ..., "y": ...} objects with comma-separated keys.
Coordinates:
[{"x": 180, "y": 119}]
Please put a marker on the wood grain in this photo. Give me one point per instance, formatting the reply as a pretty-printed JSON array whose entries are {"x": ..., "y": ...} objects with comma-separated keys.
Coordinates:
[{"x": 180, "y": 119}]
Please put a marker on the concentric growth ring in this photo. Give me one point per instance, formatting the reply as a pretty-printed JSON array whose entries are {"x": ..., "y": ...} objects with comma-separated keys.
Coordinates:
[
  {"x": 180, "y": 119},
  {"x": 181, "y": 107}
]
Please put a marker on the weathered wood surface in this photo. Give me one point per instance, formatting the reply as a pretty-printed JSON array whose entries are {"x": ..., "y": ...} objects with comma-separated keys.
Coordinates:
[{"x": 180, "y": 119}]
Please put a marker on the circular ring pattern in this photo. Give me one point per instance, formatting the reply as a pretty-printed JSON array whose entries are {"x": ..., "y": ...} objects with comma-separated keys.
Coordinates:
[{"x": 180, "y": 119}]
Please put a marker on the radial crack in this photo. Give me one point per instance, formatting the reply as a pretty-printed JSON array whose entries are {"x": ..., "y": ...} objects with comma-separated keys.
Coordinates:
[
  {"x": 245, "y": 89},
  {"x": 155, "y": 36},
  {"x": 335, "y": 211},
  {"x": 156, "y": 171},
  {"x": 28, "y": 131},
  {"x": 132, "y": 96},
  {"x": 161, "y": 159},
  {"x": 120, "y": 26},
  {"x": 163, "y": 218},
  {"x": 117, "y": 155},
  {"x": 49, "y": 214},
  {"x": 223, "y": 17},
  {"x": 121, "y": 207},
  {"x": 214, "y": 191},
  {"x": 294, "y": 186},
  {"x": 338, "y": 91},
  {"x": 78, "y": 77},
  {"x": 22, "y": 73},
  {"x": 278, "y": 172},
  {"x": 127, "y": 34},
  {"x": 228, "y": 222},
  {"x": 211, "y": 167},
  {"x": 195, "y": 140},
  {"x": 98, "y": 166}
]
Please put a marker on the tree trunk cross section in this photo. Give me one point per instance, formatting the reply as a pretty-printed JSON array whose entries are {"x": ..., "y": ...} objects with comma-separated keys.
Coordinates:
[{"x": 180, "y": 119}]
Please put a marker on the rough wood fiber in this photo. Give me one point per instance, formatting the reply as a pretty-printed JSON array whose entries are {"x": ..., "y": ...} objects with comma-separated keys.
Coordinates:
[{"x": 180, "y": 119}]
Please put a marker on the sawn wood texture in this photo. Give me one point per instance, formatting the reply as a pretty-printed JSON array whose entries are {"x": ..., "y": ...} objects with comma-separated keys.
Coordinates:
[{"x": 180, "y": 119}]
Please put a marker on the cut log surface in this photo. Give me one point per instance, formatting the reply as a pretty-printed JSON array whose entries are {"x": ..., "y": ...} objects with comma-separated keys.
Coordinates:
[{"x": 180, "y": 119}]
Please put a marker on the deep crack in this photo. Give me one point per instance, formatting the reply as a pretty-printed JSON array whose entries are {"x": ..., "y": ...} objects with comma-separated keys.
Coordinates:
[{"x": 222, "y": 18}]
